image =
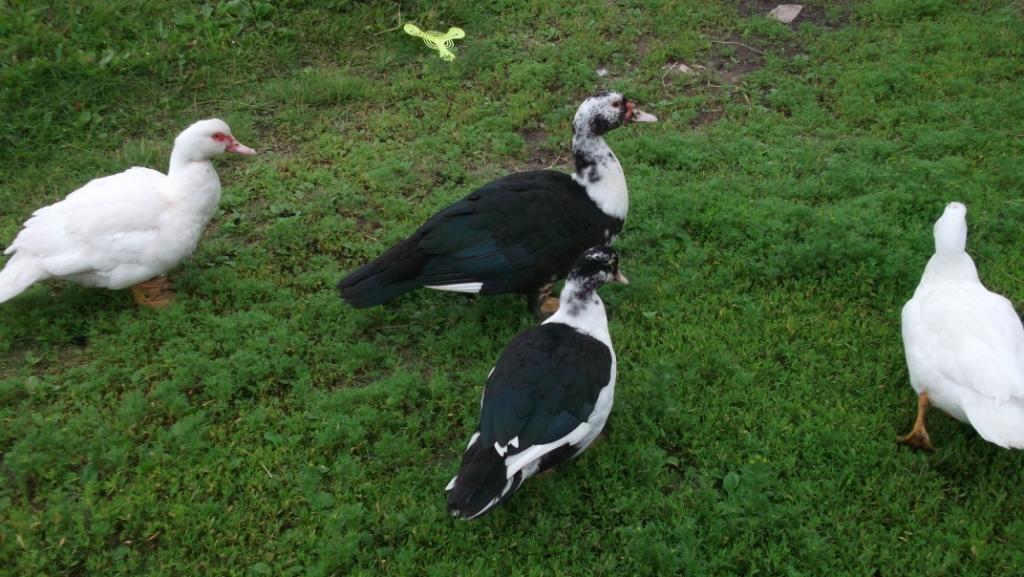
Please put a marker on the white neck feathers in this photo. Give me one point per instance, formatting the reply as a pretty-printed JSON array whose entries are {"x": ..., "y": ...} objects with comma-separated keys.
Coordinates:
[
  {"x": 950, "y": 268},
  {"x": 582, "y": 310},
  {"x": 599, "y": 172}
]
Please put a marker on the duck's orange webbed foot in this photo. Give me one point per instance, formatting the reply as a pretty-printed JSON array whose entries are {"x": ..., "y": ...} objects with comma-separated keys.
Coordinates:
[
  {"x": 155, "y": 293},
  {"x": 917, "y": 438}
]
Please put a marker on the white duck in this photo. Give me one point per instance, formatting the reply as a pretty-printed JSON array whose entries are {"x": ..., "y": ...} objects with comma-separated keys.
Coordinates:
[
  {"x": 121, "y": 230},
  {"x": 964, "y": 344}
]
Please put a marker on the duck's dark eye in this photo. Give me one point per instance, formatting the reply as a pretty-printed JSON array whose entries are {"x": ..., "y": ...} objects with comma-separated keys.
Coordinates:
[
  {"x": 616, "y": 104},
  {"x": 218, "y": 136}
]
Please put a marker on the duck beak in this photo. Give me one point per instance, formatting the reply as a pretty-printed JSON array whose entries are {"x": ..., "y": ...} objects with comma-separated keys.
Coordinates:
[
  {"x": 239, "y": 148},
  {"x": 634, "y": 115},
  {"x": 620, "y": 278}
]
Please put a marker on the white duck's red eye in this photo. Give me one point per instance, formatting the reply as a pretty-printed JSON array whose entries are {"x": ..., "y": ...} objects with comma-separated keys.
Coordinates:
[{"x": 219, "y": 136}]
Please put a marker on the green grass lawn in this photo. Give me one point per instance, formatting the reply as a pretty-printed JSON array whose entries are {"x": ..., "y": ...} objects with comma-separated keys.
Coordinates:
[{"x": 781, "y": 215}]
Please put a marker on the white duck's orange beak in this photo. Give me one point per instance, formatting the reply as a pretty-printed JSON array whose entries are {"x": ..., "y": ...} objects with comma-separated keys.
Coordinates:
[{"x": 239, "y": 148}]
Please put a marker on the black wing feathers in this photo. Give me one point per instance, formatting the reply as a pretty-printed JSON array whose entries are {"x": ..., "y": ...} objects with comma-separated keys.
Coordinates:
[
  {"x": 544, "y": 385},
  {"x": 513, "y": 235}
]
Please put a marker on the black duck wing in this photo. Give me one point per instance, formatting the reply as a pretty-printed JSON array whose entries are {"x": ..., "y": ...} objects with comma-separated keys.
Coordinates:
[
  {"x": 544, "y": 387},
  {"x": 511, "y": 235}
]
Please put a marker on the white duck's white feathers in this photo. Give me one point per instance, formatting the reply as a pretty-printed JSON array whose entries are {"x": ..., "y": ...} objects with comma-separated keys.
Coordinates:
[
  {"x": 964, "y": 344},
  {"x": 123, "y": 229}
]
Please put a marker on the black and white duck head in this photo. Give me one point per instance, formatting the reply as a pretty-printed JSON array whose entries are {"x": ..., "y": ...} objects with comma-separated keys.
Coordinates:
[
  {"x": 597, "y": 168},
  {"x": 604, "y": 112},
  {"x": 579, "y": 304},
  {"x": 595, "y": 268}
]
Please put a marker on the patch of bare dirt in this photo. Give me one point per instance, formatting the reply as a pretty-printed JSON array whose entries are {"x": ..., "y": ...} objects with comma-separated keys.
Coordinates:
[
  {"x": 708, "y": 117},
  {"x": 538, "y": 155},
  {"x": 535, "y": 138},
  {"x": 641, "y": 47},
  {"x": 731, "y": 60},
  {"x": 816, "y": 15},
  {"x": 748, "y": 8},
  {"x": 719, "y": 77}
]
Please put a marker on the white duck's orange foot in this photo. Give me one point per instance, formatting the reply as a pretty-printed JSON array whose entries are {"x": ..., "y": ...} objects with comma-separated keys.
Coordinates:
[
  {"x": 918, "y": 436},
  {"x": 917, "y": 439},
  {"x": 155, "y": 293}
]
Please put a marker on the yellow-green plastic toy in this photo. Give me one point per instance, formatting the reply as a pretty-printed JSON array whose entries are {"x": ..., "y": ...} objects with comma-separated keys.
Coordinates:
[{"x": 436, "y": 40}]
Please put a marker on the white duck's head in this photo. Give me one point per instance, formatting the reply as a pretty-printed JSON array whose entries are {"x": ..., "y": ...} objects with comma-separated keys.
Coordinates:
[
  {"x": 206, "y": 139},
  {"x": 951, "y": 230},
  {"x": 606, "y": 111}
]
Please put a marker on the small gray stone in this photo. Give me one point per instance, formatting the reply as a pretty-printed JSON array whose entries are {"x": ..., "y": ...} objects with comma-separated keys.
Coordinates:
[
  {"x": 785, "y": 13},
  {"x": 682, "y": 68}
]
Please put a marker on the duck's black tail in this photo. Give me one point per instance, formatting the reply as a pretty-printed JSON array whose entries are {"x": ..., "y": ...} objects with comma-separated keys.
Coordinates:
[
  {"x": 481, "y": 483},
  {"x": 390, "y": 275}
]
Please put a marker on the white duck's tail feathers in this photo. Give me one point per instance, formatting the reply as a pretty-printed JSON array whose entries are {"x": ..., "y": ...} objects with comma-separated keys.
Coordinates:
[
  {"x": 20, "y": 273},
  {"x": 998, "y": 422}
]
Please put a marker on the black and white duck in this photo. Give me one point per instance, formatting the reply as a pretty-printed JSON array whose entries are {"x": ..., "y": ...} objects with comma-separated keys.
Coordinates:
[
  {"x": 519, "y": 233},
  {"x": 548, "y": 396}
]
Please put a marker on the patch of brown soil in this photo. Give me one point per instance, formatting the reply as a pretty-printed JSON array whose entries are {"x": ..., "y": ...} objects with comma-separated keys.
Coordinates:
[
  {"x": 816, "y": 15},
  {"x": 731, "y": 60},
  {"x": 535, "y": 138},
  {"x": 748, "y": 8},
  {"x": 641, "y": 47},
  {"x": 708, "y": 117},
  {"x": 538, "y": 156}
]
